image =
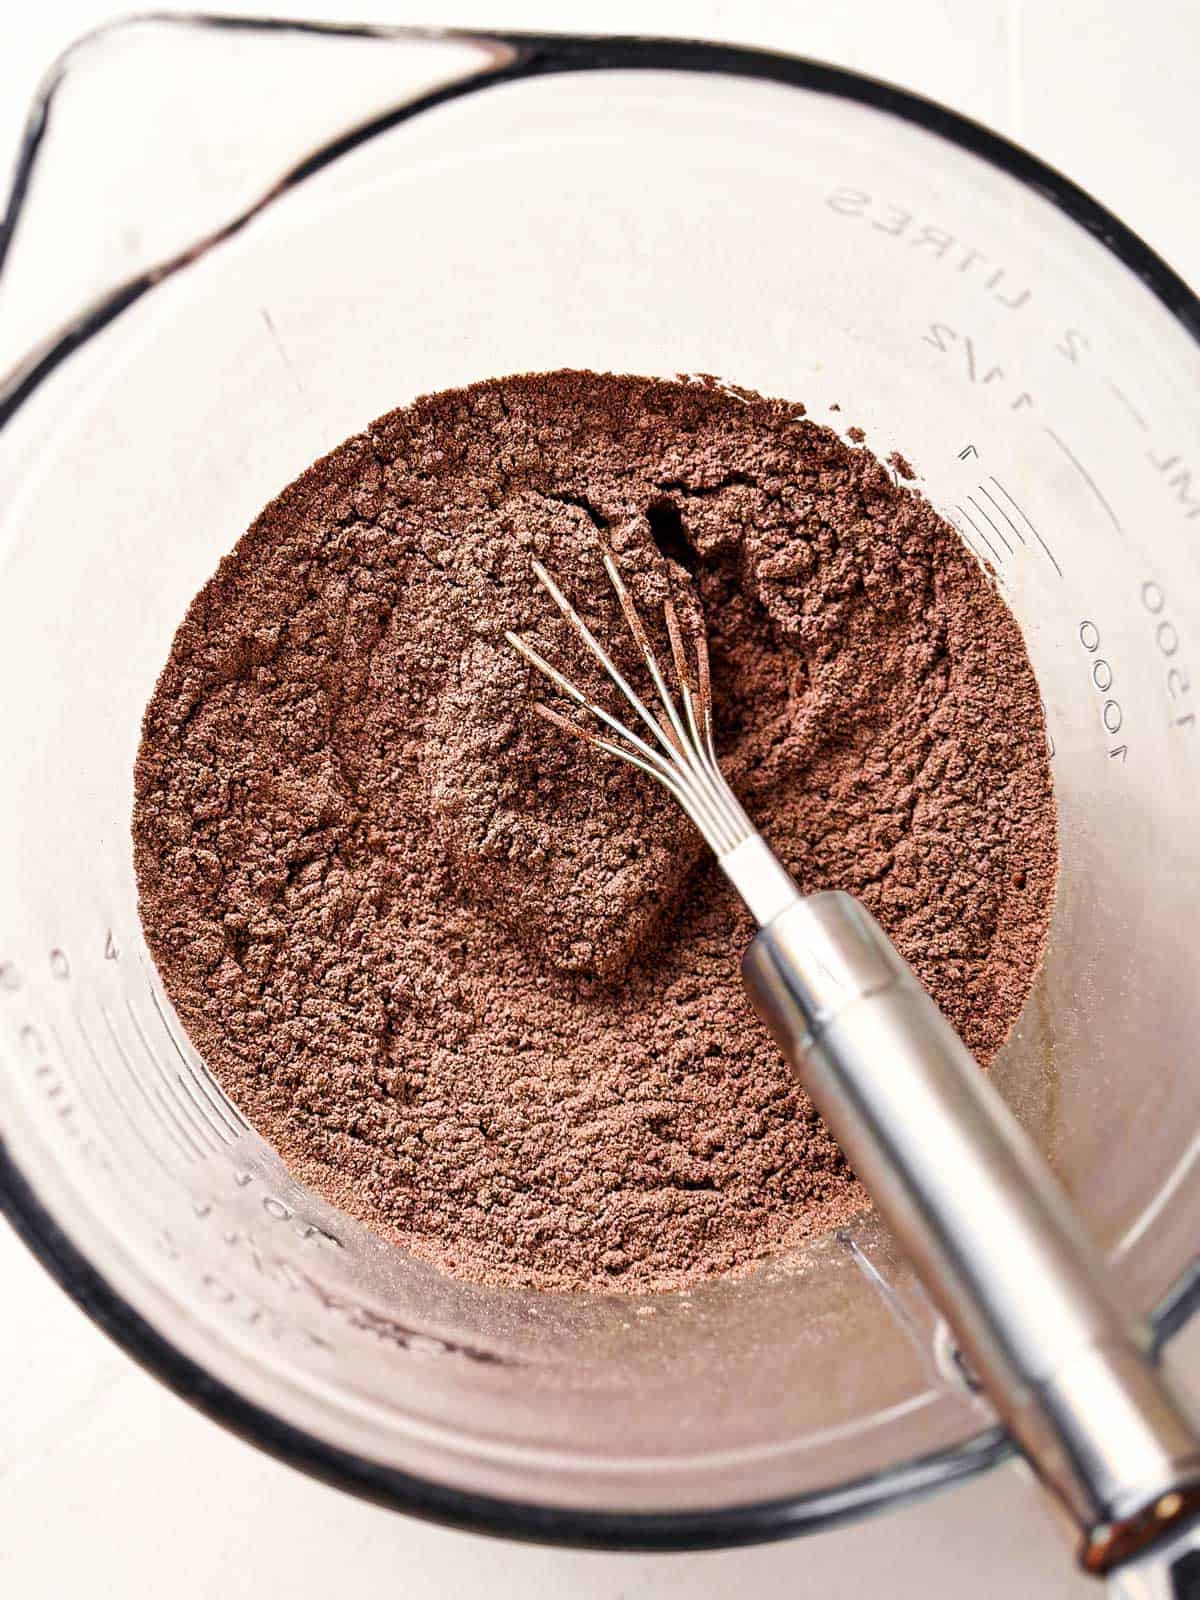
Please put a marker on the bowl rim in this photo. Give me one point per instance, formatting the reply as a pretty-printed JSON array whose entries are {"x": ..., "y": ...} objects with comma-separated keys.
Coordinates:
[{"x": 525, "y": 56}]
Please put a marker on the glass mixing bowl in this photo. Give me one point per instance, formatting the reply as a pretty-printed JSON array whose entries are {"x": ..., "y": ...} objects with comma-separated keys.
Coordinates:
[{"x": 375, "y": 215}]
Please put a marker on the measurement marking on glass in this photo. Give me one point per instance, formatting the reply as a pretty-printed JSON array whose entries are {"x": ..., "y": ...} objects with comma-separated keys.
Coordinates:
[
  {"x": 278, "y": 343},
  {"x": 891, "y": 1299},
  {"x": 1177, "y": 680},
  {"x": 1025, "y": 518},
  {"x": 963, "y": 512},
  {"x": 169, "y": 1104},
  {"x": 216, "y": 1099},
  {"x": 1087, "y": 478},
  {"x": 203, "y": 1128},
  {"x": 108, "y": 1083},
  {"x": 56, "y": 1086},
  {"x": 239, "y": 1125},
  {"x": 1111, "y": 715},
  {"x": 1175, "y": 1179},
  {"x": 967, "y": 540},
  {"x": 992, "y": 525},
  {"x": 998, "y": 508},
  {"x": 1179, "y": 476},
  {"x": 220, "y": 1134},
  {"x": 1129, "y": 405},
  {"x": 186, "y": 1146},
  {"x": 77, "y": 1078}
]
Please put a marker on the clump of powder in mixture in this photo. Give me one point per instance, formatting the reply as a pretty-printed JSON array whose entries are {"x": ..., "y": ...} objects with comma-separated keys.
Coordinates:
[{"x": 480, "y": 986}]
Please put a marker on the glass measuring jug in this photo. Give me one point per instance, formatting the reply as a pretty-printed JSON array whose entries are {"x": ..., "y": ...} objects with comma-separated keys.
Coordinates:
[{"x": 639, "y": 207}]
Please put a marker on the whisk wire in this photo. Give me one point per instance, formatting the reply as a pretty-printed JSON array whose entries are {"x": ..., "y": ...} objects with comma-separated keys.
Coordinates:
[
  {"x": 688, "y": 750},
  {"x": 648, "y": 760},
  {"x": 598, "y": 711},
  {"x": 598, "y": 650},
  {"x": 686, "y": 764},
  {"x": 642, "y": 639}
]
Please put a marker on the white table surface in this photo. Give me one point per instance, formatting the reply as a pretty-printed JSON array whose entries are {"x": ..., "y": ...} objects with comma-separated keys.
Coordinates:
[{"x": 109, "y": 1486}]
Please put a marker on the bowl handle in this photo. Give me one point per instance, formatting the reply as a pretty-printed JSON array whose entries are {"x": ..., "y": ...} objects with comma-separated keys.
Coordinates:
[{"x": 154, "y": 139}]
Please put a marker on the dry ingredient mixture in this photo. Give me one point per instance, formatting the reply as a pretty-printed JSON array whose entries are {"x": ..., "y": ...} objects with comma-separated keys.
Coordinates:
[{"x": 479, "y": 986}]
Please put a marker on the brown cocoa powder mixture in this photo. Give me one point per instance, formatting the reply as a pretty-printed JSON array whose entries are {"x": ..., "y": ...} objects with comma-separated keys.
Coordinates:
[{"x": 477, "y": 984}]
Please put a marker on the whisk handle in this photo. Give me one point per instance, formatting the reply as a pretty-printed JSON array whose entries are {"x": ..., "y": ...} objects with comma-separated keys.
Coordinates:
[{"x": 984, "y": 1222}]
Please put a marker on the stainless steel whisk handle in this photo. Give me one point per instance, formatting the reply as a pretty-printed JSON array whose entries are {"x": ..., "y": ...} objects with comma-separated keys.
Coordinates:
[{"x": 987, "y": 1226}]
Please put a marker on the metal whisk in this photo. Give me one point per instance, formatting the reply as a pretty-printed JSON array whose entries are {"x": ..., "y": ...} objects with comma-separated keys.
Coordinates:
[
  {"x": 991, "y": 1233},
  {"x": 685, "y": 760}
]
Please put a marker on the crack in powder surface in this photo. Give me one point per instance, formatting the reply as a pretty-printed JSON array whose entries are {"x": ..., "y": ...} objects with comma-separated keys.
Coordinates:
[{"x": 478, "y": 985}]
